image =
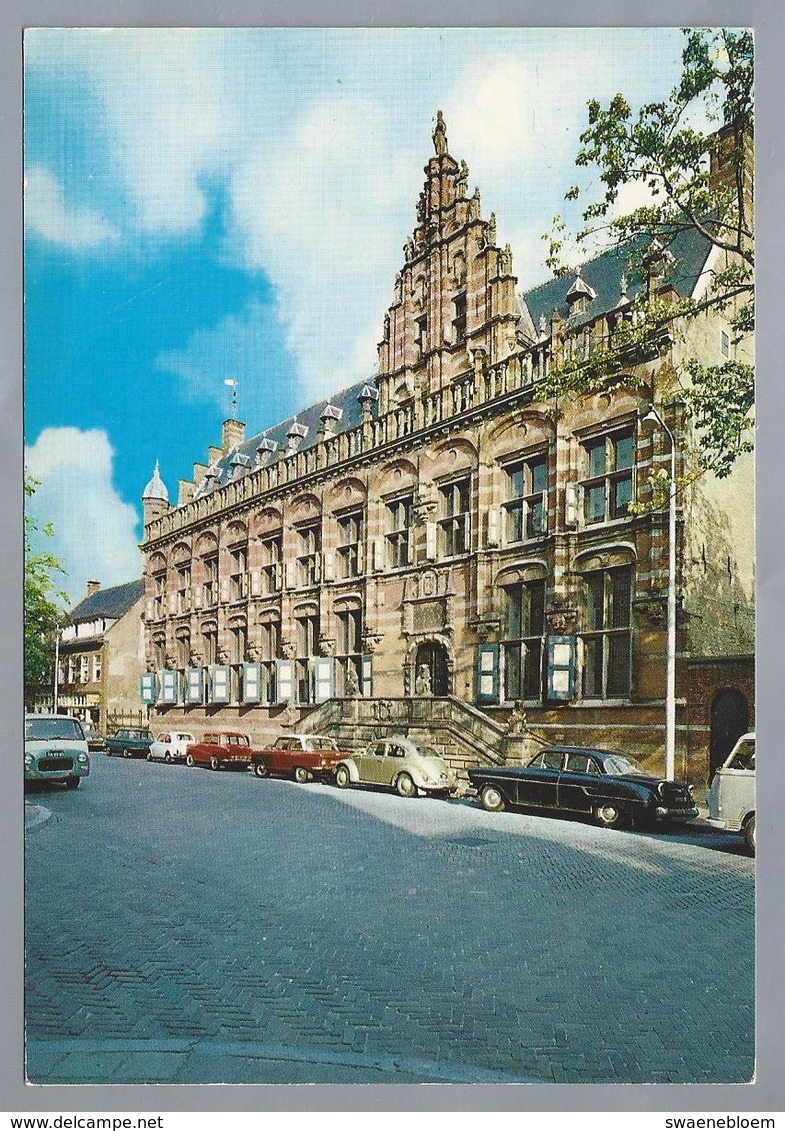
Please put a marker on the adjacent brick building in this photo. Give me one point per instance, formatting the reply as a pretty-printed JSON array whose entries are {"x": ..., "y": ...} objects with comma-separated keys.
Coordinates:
[{"x": 438, "y": 541}]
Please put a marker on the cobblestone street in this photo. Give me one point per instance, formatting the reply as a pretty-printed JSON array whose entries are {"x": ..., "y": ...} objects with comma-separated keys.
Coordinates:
[{"x": 185, "y": 926}]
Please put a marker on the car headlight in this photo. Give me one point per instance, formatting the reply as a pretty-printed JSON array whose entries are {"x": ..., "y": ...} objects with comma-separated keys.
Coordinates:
[
  {"x": 83, "y": 758},
  {"x": 691, "y": 791}
]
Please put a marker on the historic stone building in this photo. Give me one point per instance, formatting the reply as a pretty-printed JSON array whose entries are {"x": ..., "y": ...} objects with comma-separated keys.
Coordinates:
[
  {"x": 437, "y": 545},
  {"x": 102, "y": 656}
]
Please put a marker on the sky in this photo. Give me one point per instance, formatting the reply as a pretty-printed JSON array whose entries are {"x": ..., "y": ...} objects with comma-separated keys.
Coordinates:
[{"x": 212, "y": 204}]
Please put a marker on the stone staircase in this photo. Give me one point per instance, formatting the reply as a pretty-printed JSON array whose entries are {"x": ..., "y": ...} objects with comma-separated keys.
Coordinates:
[{"x": 461, "y": 734}]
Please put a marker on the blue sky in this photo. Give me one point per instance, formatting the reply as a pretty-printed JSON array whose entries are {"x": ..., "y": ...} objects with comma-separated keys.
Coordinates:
[{"x": 206, "y": 204}]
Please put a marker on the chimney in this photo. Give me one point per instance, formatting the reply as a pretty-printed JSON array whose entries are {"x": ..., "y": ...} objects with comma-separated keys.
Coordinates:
[
  {"x": 232, "y": 435},
  {"x": 93, "y": 587}
]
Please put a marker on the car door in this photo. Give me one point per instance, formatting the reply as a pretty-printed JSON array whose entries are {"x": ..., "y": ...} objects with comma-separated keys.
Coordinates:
[
  {"x": 538, "y": 784},
  {"x": 577, "y": 781},
  {"x": 732, "y": 792},
  {"x": 394, "y": 760},
  {"x": 372, "y": 763}
]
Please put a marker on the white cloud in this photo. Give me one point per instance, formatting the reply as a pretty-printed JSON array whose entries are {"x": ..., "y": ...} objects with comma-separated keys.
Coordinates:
[
  {"x": 95, "y": 532},
  {"x": 47, "y": 215}
]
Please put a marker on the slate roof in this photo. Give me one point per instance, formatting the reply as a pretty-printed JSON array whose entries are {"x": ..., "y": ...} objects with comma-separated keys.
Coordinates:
[
  {"x": 112, "y": 603},
  {"x": 688, "y": 253},
  {"x": 687, "y": 257}
]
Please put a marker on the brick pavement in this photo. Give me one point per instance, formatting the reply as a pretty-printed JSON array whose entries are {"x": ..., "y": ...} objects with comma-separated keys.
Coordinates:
[{"x": 186, "y": 926}]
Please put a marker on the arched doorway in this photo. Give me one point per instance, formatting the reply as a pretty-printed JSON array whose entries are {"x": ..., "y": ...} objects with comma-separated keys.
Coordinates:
[
  {"x": 730, "y": 718},
  {"x": 434, "y": 656}
]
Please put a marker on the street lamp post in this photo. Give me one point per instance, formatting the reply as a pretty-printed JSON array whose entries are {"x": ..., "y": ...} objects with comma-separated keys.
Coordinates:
[
  {"x": 670, "y": 665},
  {"x": 56, "y": 688}
]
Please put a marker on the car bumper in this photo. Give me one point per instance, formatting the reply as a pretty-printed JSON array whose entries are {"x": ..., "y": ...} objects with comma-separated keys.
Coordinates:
[
  {"x": 34, "y": 774},
  {"x": 662, "y": 814}
]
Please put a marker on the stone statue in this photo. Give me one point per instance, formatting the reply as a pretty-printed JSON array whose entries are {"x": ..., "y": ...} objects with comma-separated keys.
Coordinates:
[
  {"x": 440, "y": 135},
  {"x": 422, "y": 684},
  {"x": 474, "y": 205},
  {"x": 463, "y": 178},
  {"x": 352, "y": 683},
  {"x": 517, "y": 722},
  {"x": 492, "y": 230}
]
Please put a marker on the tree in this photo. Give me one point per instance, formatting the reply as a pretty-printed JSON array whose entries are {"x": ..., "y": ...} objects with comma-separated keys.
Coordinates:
[
  {"x": 43, "y": 614},
  {"x": 692, "y": 154}
]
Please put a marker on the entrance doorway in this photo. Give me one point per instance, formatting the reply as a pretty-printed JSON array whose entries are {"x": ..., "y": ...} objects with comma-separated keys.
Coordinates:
[
  {"x": 434, "y": 657},
  {"x": 730, "y": 718}
]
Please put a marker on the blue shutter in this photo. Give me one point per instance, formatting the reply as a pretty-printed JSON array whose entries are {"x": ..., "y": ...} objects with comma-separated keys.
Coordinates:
[
  {"x": 323, "y": 676},
  {"x": 367, "y": 676},
  {"x": 562, "y": 651},
  {"x": 487, "y": 673},
  {"x": 284, "y": 681},
  {"x": 251, "y": 683},
  {"x": 194, "y": 685},
  {"x": 169, "y": 686},
  {"x": 220, "y": 683},
  {"x": 148, "y": 686}
]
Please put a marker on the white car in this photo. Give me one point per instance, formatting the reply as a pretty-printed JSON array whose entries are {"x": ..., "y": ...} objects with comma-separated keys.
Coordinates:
[
  {"x": 731, "y": 796},
  {"x": 170, "y": 747}
]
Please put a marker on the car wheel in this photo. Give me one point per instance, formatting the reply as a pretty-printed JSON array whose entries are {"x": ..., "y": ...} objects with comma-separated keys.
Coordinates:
[
  {"x": 214, "y": 763},
  {"x": 167, "y": 757},
  {"x": 610, "y": 816},
  {"x": 404, "y": 786},
  {"x": 749, "y": 835},
  {"x": 301, "y": 775},
  {"x": 491, "y": 799},
  {"x": 149, "y": 756},
  {"x": 72, "y": 783},
  {"x": 126, "y": 753},
  {"x": 189, "y": 759},
  {"x": 260, "y": 769},
  {"x": 343, "y": 779}
]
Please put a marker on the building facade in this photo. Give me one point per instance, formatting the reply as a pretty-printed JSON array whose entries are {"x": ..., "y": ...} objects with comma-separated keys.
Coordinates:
[
  {"x": 442, "y": 533},
  {"x": 101, "y": 656}
]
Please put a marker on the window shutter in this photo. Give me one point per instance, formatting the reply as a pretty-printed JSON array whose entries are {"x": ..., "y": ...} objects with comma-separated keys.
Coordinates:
[
  {"x": 561, "y": 651},
  {"x": 172, "y": 603},
  {"x": 290, "y": 573},
  {"x": 197, "y": 596},
  {"x": 147, "y": 687},
  {"x": 284, "y": 681},
  {"x": 378, "y": 554},
  {"x": 430, "y": 541},
  {"x": 220, "y": 684},
  {"x": 256, "y": 583},
  {"x": 328, "y": 567},
  {"x": 251, "y": 683},
  {"x": 323, "y": 678},
  {"x": 487, "y": 673},
  {"x": 367, "y": 675},
  {"x": 194, "y": 685},
  {"x": 224, "y": 589},
  {"x": 360, "y": 558},
  {"x": 169, "y": 684},
  {"x": 493, "y": 526}
]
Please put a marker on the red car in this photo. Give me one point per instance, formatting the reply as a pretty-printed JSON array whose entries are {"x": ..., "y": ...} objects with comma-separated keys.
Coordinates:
[
  {"x": 300, "y": 756},
  {"x": 220, "y": 748}
]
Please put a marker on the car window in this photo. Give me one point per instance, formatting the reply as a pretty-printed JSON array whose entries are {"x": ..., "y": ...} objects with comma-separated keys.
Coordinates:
[
  {"x": 581, "y": 764},
  {"x": 64, "y": 728},
  {"x": 394, "y": 751},
  {"x": 623, "y": 764},
  {"x": 552, "y": 759},
  {"x": 213, "y": 738},
  {"x": 379, "y": 750},
  {"x": 744, "y": 758}
]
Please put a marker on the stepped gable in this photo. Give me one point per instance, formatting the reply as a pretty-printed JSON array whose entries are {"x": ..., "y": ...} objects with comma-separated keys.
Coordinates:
[
  {"x": 685, "y": 259},
  {"x": 111, "y": 603}
]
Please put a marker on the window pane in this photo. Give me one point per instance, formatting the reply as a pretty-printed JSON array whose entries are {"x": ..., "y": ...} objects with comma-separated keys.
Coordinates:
[
  {"x": 536, "y": 609},
  {"x": 535, "y": 524},
  {"x": 514, "y": 612},
  {"x": 597, "y": 458},
  {"x": 595, "y": 503},
  {"x": 622, "y": 496},
  {"x": 595, "y": 612},
  {"x": 623, "y": 452},
  {"x": 515, "y": 477},
  {"x": 619, "y": 665},
  {"x": 539, "y": 476},
  {"x": 515, "y": 523},
  {"x": 512, "y": 672},
  {"x": 620, "y": 598},
  {"x": 532, "y": 670},
  {"x": 592, "y": 668}
]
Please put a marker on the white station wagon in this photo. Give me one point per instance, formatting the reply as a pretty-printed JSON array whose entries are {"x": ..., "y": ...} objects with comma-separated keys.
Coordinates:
[{"x": 731, "y": 796}]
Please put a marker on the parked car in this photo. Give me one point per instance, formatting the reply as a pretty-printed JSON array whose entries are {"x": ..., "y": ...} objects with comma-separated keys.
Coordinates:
[
  {"x": 220, "y": 748},
  {"x": 96, "y": 743},
  {"x": 731, "y": 796},
  {"x": 170, "y": 747},
  {"x": 400, "y": 763},
  {"x": 613, "y": 788},
  {"x": 301, "y": 756},
  {"x": 131, "y": 742},
  {"x": 55, "y": 750}
]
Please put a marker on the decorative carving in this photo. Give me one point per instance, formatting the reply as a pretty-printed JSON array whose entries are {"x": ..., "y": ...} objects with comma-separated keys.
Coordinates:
[
  {"x": 517, "y": 722},
  {"x": 440, "y": 135},
  {"x": 492, "y": 230},
  {"x": 352, "y": 683},
  {"x": 463, "y": 178},
  {"x": 222, "y": 656},
  {"x": 562, "y": 618},
  {"x": 170, "y": 663},
  {"x": 505, "y": 260},
  {"x": 654, "y": 609},
  {"x": 371, "y": 640},
  {"x": 327, "y": 645},
  {"x": 422, "y": 684},
  {"x": 383, "y": 709},
  {"x": 288, "y": 650},
  {"x": 196, "y": 658}
]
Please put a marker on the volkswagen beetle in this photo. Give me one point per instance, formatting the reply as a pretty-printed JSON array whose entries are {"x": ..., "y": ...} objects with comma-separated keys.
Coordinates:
[{"x": 400, "y": 763}]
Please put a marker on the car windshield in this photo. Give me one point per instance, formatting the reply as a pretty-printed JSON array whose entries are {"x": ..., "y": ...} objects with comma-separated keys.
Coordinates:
[
  {"x": 429, "y": 752},
  {"x": 319, "y": 742},
  {"x": 623, "y": 764},
  {"x": 744, "y": 756},
  {"x": 65, "y": 728}
]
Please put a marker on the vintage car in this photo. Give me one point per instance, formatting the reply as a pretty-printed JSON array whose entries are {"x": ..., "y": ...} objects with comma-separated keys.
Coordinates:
[
  {"x": 170, "y": 746},
  {"x": 55, "y": 750},
  {"x": 96, "y": 743},
  {"x": 398, "y": 762},
  {"x": 131, "y": 742},
  {"x": 301, "y": 756},
  {"x": 613, "y": 788},
  {"x": 220, "y": 748},
  {"x": 731, "y": 796}
]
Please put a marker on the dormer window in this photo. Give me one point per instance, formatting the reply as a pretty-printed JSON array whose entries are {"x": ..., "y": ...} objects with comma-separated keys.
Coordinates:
[{"x": 579, "y": 295}]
